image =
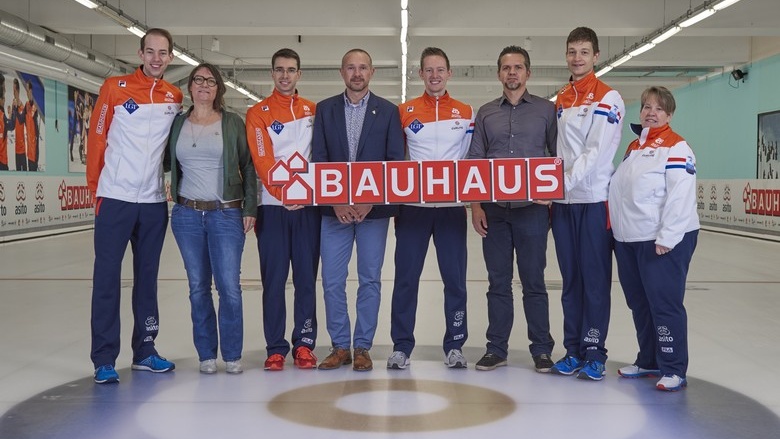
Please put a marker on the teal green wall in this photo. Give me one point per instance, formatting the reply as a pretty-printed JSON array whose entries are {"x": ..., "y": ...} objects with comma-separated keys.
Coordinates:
[{"x": 719, "y": 121}]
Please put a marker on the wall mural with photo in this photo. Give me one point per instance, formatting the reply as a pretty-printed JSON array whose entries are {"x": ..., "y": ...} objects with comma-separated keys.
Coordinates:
[
  {"x": 767, "y": 164},
  {"x": 80, "y": 105},
  {"x": 23, "y": 145}
]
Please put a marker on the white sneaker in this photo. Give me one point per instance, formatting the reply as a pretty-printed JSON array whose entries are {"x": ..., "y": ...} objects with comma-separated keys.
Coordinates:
[
  {"x": 634, "y": 371},
  {"x": 398, "y": 360},
  {"x": 455, "y": 359},
  {"x": 233, "y": 367},
  {"x": 671, "y": 383},
  {"x": 208, "y": 366}
]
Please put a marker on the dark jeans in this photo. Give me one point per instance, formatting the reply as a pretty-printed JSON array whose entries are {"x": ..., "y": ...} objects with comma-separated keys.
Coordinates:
[{"x": 521, "y": 230}]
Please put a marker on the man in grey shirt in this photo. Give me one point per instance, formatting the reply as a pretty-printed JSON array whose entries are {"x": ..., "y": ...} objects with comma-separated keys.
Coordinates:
[{"x": 516, "y": 125}]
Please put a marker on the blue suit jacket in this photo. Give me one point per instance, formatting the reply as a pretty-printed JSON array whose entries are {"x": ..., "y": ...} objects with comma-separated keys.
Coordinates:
[{"x": 382, "y": 139}]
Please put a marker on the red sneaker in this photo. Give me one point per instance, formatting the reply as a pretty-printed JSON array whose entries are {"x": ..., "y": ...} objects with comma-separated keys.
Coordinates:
[
  {"x": 305, "y": 358},
  {"x": 274, "y": 362}
]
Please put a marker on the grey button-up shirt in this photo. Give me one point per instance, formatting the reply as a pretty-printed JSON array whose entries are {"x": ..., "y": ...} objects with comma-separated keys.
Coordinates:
[{"x": 503, "y": 130}]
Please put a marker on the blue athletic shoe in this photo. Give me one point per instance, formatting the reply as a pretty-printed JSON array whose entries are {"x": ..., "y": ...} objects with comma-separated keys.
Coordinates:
[
  {"x": 106, "y": 374},
  {"x": 154, "y": 363},
  {"x": 567, "y": 365},
  {"x": 593, "y": 370}
]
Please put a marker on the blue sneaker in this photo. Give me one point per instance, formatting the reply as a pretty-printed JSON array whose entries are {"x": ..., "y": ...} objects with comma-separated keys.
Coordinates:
[
  {"x": 154, "y": 363},
  {"x": 106, "y": 374},
  {"x": 567, "y": 365},
  {"x": 593, "y": 370}
]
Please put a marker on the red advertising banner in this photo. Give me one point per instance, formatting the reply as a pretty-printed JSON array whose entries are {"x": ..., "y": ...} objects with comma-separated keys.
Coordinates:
[{"x": 429, "y": 181}]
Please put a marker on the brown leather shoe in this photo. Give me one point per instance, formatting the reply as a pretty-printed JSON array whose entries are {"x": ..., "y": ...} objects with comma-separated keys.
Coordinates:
[
  {"x": 362, "y": 360},
  {"x": 337, "y": 357}
]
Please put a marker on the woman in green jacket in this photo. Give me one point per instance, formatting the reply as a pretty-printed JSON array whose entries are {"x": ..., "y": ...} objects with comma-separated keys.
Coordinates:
[{"x": 214, "y": 185}]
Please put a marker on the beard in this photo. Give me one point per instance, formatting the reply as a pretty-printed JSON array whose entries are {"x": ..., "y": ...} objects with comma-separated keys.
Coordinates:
[
  {"x": 357, "y": 87},
  {"x": 512, "y": 85}
]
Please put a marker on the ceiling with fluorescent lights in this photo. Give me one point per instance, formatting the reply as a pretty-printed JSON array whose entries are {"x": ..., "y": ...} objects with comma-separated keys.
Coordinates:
[{"x": 241, "y": 36}]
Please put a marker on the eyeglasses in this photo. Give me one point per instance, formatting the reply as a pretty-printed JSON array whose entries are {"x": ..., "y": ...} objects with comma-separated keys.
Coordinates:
[
  {"x": 282, "y": 70},
  {"x": 211, "y": 82}
]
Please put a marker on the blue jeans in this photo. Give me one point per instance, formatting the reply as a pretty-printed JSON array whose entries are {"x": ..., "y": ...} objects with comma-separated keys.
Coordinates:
[
  {"x": 336, "y": 240},
  {"x": 520, "y": 232},
  {"x": 211, "y": 243}
]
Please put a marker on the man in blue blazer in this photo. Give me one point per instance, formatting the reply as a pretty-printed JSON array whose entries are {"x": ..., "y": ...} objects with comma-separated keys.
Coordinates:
[{"x": 354, "y": 126}]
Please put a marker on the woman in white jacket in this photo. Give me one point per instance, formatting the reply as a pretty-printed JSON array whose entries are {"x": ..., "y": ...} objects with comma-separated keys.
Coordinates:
[{"x": 652, "y": 206}]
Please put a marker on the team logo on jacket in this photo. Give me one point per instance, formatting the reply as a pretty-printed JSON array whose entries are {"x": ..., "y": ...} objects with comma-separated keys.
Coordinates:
[
  {"x": 614, "y": 115},
  {"x": 416, "y": 126},
  {"x": 264, "y": 108},
  {"x": 123, "y": 83},
  {"x": 690, "y": 166},
  {"x": 277, "y": 126},
  {"x": 169, "y": 97},
  {"x": 410, "y": 109},
  {"x": 130, "y": 106},
  {"x": 455, "y": 112}
]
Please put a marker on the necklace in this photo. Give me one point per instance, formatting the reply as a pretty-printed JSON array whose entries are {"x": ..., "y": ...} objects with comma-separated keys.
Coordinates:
[{"x": 194, "y": 137}]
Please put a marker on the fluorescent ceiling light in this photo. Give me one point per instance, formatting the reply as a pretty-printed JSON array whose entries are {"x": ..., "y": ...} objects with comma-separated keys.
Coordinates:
[
  {"x": 669, "y": 33},
  {"x": 704, "y": 13},
  {"x": 88, "y": 3},
  {"x": 404, "y": 4},
  {"x": 641, "y": 49},
  {"x": 137, "y": 31},
  {"x": 621, "y": 60},
  {"x": 719, "y": 7},
  {"x": 604, "y": 70},
  {"x": 188, "y": 59}
]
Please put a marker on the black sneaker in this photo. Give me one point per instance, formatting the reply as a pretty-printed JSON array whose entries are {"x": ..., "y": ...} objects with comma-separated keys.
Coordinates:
[
  {"x": 543, "y": 363},
  {"x": 490, "y": 361}
]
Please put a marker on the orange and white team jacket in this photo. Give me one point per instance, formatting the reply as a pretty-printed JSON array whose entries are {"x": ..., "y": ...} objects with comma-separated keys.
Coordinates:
[
  {"x": 590, "y": 124},
  {"x": 20, "y": 145},
  {"x": 436, "y": 128},
  {"x": 276, "y": 128},
  {"x": 127, "y": 137}
]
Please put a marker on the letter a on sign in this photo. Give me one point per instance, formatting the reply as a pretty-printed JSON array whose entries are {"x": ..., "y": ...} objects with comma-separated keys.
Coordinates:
[{"x": 509, "y": 179}]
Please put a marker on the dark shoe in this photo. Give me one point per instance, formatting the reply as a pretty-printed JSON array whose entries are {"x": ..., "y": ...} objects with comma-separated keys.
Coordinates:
[
  {"x": 337, "y": 357},
  {"x": 490, "y": 361},
  {"x": 362, "y": 361},
  {"x": 543, "y": 363}
]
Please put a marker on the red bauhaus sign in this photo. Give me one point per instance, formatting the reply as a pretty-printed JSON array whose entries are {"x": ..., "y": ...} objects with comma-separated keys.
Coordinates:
[{"x": 428, "y": 181}]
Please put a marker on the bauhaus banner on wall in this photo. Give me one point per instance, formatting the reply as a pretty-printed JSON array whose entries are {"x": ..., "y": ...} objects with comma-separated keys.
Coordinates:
[
  {"x": 747, "y": 205},
  {"x": 30, "y": 203}
]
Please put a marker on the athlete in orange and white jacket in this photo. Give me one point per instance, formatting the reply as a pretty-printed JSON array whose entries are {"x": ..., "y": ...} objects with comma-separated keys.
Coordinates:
[
  {"x": 131, "y": 121},
  {"x": 277, "y": 128},
  {"x": 590, "y": 123},
  {"x": 436, "y": 127},
  {"x": 287, "y": 236}
]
